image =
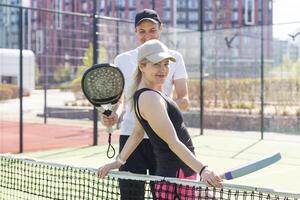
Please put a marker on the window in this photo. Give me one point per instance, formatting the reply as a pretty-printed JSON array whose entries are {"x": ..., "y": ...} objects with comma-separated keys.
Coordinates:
[
  {"x": 249, "y": 12},
  {"x": 193, "y": 4},
  {"x": 181, "y": 3},
  {"x": 208, "y": 16},
  {"x": 270, "y": 5},
  {"x": 34, "y": 4},
  {"x": 193, "y": 16},
  {"x": 131, "y": 3},
  {"x": 208, "y": 4},
  {"x": 167, "y": 4},
  {"x": 259, "y": 16},
  {"x": 102, "y": 4},
  {"x": 167, "y": 15},
  {"x": 235, "y": 4},
  {"x": 58, "y": 17},
  {"x": 180, "y": 15},
  {"x": 234, "y": 16},
  {"x": 181, "y": 26},
  {"x": 9, "y": 80},
  {"x": 84, "y": 6},
  {"x": 39, "y": 41},
  {"x": 193, "y": 26},
  {"x": 121, "y": 3},
  {"x": 131, "y": 15}
]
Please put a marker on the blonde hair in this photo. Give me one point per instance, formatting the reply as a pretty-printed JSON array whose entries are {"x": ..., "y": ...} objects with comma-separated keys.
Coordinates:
[{"x": 137, "y": 77}]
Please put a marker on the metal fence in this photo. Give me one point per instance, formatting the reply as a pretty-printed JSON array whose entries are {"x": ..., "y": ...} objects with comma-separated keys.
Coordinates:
[{"x": 242, "y": 79}]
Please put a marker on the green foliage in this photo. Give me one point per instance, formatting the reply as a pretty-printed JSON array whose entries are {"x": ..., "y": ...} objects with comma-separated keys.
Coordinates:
[
  {"x": 62, "y": 74},
  {"x": 288, "y": 69},
  {"x": 88, "y": 56},
  {"x": 76, "y": 88},
  {"x": 80, "y": 71},
  {"x": 245, "y": 93},
  {"x": 88, "y": 59},
  {"x": 298, "y": 112},
  {"x": 87, "y": 62},
  {"x": 76, "y": 85},
  {"x": 37, "y": 73}
]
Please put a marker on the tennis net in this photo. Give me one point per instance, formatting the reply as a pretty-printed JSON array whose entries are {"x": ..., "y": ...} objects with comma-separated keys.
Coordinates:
[{"x": 31, "y": 179}]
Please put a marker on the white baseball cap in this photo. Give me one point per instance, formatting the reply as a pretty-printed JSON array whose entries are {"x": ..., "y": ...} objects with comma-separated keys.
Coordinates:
[{"x": 154, "y": 51}]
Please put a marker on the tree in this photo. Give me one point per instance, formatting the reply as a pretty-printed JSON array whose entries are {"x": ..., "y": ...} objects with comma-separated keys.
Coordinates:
[
  {"x": 62, "y": 74},
  {"x": 88, "y": 59}
]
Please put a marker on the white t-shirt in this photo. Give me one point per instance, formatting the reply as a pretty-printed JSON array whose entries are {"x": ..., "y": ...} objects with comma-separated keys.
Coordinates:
[{"x": 127, "y": 62}]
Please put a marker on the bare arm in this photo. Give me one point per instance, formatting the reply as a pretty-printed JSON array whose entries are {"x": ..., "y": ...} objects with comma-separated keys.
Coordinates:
[
  {"x": 133, "y": 141},
  {"x": 158, "y": 118},
  {"x": 182, "y": 99}
]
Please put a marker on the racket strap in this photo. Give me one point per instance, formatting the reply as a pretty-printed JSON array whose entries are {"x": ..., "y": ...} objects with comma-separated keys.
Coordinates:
[{"x": 110, "y": 147}]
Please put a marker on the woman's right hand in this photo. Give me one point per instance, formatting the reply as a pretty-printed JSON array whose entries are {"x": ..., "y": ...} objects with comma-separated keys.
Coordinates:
[
  {"x": 103, "y": 170},
  {"x": 211, "y": 179},
  {"x": 110, "y": 120}
]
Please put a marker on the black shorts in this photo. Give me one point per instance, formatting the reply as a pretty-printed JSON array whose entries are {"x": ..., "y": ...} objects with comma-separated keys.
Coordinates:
[{"x": 141, "y": 160}]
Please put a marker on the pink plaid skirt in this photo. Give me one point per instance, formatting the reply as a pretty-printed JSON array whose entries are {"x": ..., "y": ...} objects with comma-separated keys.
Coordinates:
[{"x": 170, "y": 191}]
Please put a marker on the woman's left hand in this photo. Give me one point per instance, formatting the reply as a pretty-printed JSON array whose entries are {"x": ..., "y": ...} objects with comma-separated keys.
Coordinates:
[
  {"x": 103, "y": 171},
  {"x": 210, "y": 178}
]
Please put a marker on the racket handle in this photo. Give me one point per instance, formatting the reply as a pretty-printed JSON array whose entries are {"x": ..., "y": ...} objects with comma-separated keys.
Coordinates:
[{"x": 109, "y": 129}]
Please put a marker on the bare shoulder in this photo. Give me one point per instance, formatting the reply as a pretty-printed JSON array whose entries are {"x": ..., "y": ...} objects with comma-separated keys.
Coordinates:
[
  {"x": 151, "y": 105},
  {"x": 150, "y": 99},
  {"x": 149, "y": 94}
]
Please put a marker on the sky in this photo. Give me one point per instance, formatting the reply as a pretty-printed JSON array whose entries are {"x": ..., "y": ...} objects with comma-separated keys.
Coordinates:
[{"x": 286, "y": 11}]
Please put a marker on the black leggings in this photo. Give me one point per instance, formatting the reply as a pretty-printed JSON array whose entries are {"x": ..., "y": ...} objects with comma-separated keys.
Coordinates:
[{"x": 141, "y": 160}]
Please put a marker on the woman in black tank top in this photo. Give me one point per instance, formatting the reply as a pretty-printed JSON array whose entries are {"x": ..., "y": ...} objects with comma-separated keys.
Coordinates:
[{"x": 161, "y": 119}]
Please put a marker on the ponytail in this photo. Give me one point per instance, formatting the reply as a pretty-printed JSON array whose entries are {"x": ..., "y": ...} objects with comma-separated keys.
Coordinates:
[{"x": 137, "y": 77}]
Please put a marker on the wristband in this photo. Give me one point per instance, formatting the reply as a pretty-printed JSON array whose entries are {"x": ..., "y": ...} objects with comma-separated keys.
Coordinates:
[
  {"x": 202, "y": 169},
  {"x": 122, "y": 162}
]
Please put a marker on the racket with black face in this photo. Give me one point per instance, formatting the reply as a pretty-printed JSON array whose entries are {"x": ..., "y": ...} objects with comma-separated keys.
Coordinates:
[{"x": 102, "y": 85}]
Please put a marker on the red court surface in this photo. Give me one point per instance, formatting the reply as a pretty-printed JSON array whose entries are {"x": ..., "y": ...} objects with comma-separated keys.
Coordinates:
[{"x": 38, "y": 136}]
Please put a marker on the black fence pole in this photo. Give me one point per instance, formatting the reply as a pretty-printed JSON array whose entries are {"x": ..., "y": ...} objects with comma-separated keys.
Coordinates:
[
  {"x": 95, "y": 59},
  {"x": 21, "y": 76},
  {"x": 45, "y": 72},
  {"x": 262, "y": 72},
  {"x": 201, "y": 67}
]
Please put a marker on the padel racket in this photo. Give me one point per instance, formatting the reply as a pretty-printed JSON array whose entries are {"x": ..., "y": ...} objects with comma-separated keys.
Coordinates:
[
  {"x": 103, "y": 84},
  {"x": 251, "y": 167}
]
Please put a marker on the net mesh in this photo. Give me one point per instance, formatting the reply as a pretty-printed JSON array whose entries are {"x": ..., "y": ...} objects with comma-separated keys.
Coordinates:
[{"x": 30, "y": 179}]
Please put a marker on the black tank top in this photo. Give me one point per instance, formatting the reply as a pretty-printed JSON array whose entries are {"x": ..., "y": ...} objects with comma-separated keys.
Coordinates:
[{"x": 168, "y": 163}]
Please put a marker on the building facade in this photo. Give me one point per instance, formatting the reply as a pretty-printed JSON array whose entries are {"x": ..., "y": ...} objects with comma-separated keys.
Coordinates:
[
  {"x": 232, "y": 31},
  {"x": 9, "y": 23}
]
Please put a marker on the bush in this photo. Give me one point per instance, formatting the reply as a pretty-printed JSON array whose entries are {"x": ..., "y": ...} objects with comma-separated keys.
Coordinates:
[
  {"x": 244, "y": 93},
  {"x": 5, "y": 93},
  {"x": 9, "y": 91},
  {"x": 14, "y": 89},
  {"x": 298, "y": 112},
  {"x": 76, "y": 88}
]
